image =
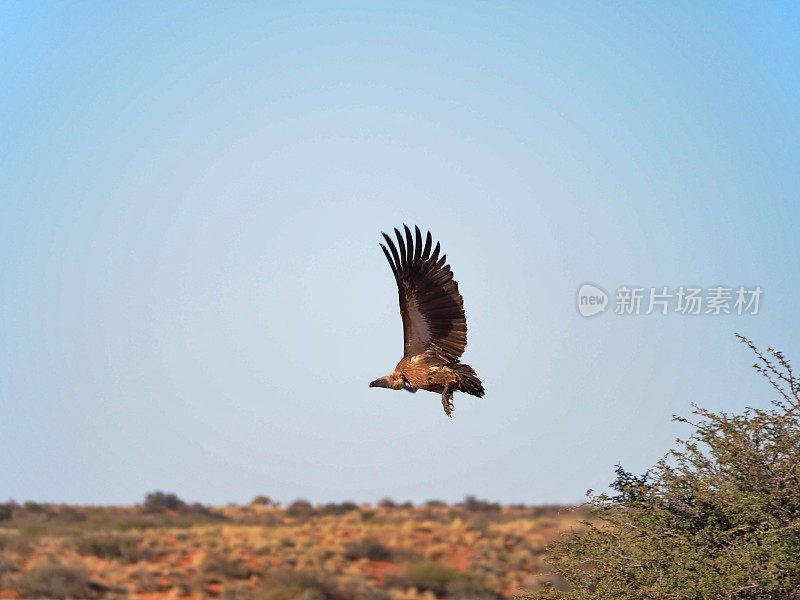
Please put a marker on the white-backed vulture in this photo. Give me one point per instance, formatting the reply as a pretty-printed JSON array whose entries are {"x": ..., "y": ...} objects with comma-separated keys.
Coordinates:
[{"x": 434, "y": 324}]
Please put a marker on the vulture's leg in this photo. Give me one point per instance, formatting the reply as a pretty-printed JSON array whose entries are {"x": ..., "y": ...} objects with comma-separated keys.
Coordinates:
[
  {"x": 447, "y": 401},
  {"x": 409, "y": 388}
]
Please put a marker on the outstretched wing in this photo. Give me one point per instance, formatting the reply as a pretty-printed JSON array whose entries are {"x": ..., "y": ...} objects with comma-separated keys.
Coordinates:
[{"x": 430, "y": 303}]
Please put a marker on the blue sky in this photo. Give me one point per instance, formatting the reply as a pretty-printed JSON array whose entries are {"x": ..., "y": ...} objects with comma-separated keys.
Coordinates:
[{"x": 192, "y": 297}]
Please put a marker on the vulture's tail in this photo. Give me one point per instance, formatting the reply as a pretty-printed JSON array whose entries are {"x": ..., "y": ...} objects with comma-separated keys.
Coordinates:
[{"x": 468, "y": 380}]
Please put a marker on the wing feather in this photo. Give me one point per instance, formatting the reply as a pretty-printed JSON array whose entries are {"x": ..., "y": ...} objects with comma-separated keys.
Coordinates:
[
  {"x": 430, "y": 304},
  {"x": 409, "y": 245},
  {"x": 389, "y": 258},
  {"x": 417, "y": 245},
  {"x": 402, "y": 245},
  {"x": 396, "y": 263},
  {"x": 427, "y": 252}
]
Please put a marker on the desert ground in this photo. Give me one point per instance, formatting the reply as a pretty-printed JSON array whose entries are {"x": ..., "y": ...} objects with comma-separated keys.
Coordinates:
[{"x": 167, "y": 548}]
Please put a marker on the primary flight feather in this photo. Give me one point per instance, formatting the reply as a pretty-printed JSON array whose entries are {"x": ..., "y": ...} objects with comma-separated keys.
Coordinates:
[{"x": 434, "y": 324}]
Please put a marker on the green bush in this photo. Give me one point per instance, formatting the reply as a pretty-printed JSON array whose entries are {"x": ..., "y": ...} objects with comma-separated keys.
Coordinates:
[
  {"x": 144, "y": 581},
  {"x": 159, "y": 502},
  {"x": 436, "y": 504},
  {"x": 300, "y": 508},
  {"x": 372, "y": 594},
  {"x": 293, "y": 585},
  {"x": 71, "y": 514},
  {"x": 53, "y": 580},
  {"x": 473, "y": 504},
  {"x": 360, "y": 589},
  {"x": 547, "y": 510},
  {"x": 201, "y": 510},
  {"x": 292, "y": 593},
  {"x": 23, "y": 542},
  {"x": 6, "y": 566},
  {"x": 262, "y": 501},
  {"x": 33, "y": 507},
  {"x": 6, "y": 511},
  {"x": 719, "y": 517},
  {"x": 444, "y": 581},
  {"x": 236, "y": 592},
  {"x": 217, "y": 567},
  {"x": 123, "y": 548},
  {"x": 338, "y": 508},
  {"x": 368, "y": 548}
]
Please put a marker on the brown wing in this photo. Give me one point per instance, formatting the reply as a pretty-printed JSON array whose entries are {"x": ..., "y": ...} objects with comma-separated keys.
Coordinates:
[{"x": 430, "y": 303}]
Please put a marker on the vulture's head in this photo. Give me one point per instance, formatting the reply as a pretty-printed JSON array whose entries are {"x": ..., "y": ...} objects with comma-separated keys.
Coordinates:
[{"x": 394, "y": 381}]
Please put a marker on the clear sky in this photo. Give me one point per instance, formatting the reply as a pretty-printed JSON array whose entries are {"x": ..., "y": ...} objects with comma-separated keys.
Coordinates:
[{"x": 192, "y": 297}]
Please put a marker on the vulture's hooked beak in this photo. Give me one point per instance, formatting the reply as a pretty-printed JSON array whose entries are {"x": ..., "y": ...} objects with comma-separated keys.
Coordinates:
[{"x": 382, "y": 382}]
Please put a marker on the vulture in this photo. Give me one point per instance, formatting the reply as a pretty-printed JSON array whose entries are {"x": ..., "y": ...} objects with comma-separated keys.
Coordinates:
[{"x": 434, "y": 324}]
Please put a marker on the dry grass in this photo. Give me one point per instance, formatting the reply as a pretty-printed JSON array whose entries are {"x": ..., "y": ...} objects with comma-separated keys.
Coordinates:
[{"x": 264, "y": 552}]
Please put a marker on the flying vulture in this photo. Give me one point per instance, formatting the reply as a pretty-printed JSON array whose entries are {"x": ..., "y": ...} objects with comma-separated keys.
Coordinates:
[{"x": 434, "y": 324}]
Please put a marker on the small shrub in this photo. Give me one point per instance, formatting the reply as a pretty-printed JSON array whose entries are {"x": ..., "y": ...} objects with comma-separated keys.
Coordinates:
[
  {"x": 110, "y": 547},
  {"x": 145, "y": 582},
  {"x": 300, "y": 508},
  {"x": 468, "y": 586},
  {"x": 262, "y": 501},
  {"x": 387, "y": 503},
  {"x": 132, "y": 524},
  {"x": 6, "y": 511},
  {"x": 292, "y": 593},
  {"x": 372, "y": 594},
  {"x": 71, "y": 514},
  {"x": 341, "y": 508},
  {"x": 182, "y": 584},
  {"x": 368, "y": 548},
  {"x": 293, "y": 585},
  {"x": 6, "y": 566},
  {"x": 33, "y": 507},
  {"x": 359, "y": 589},
  {"x": 159, "y": 502},
  {"x": 219, "y": 568},
  {"x": 442, "y": 580},
  {"x": 236, "y": 592},
  {"x": 201, "y": 510},
  {"x": 473, "y": 504},
  {"x": 480, "y": 524},
  {"x": 545, "y": 510},
  {"x": 53, "y": 580},
  {"x": 25, "y": 540}
]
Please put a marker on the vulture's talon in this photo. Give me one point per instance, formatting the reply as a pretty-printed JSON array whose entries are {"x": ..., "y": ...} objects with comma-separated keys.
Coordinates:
[{"x": 447, "y": 405}]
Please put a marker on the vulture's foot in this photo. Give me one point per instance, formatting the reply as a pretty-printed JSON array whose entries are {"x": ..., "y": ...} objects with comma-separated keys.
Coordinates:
[
  {"x": 409, "y": 388},
  {"x": 447, "y": 403}
]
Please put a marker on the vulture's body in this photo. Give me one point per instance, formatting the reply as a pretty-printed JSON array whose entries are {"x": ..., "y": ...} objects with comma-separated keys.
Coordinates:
[{"x": 434, "y": 324}]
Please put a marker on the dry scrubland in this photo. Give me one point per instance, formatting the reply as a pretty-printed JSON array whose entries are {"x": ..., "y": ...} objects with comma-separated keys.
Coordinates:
[{"x": 165, "y": 548}]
